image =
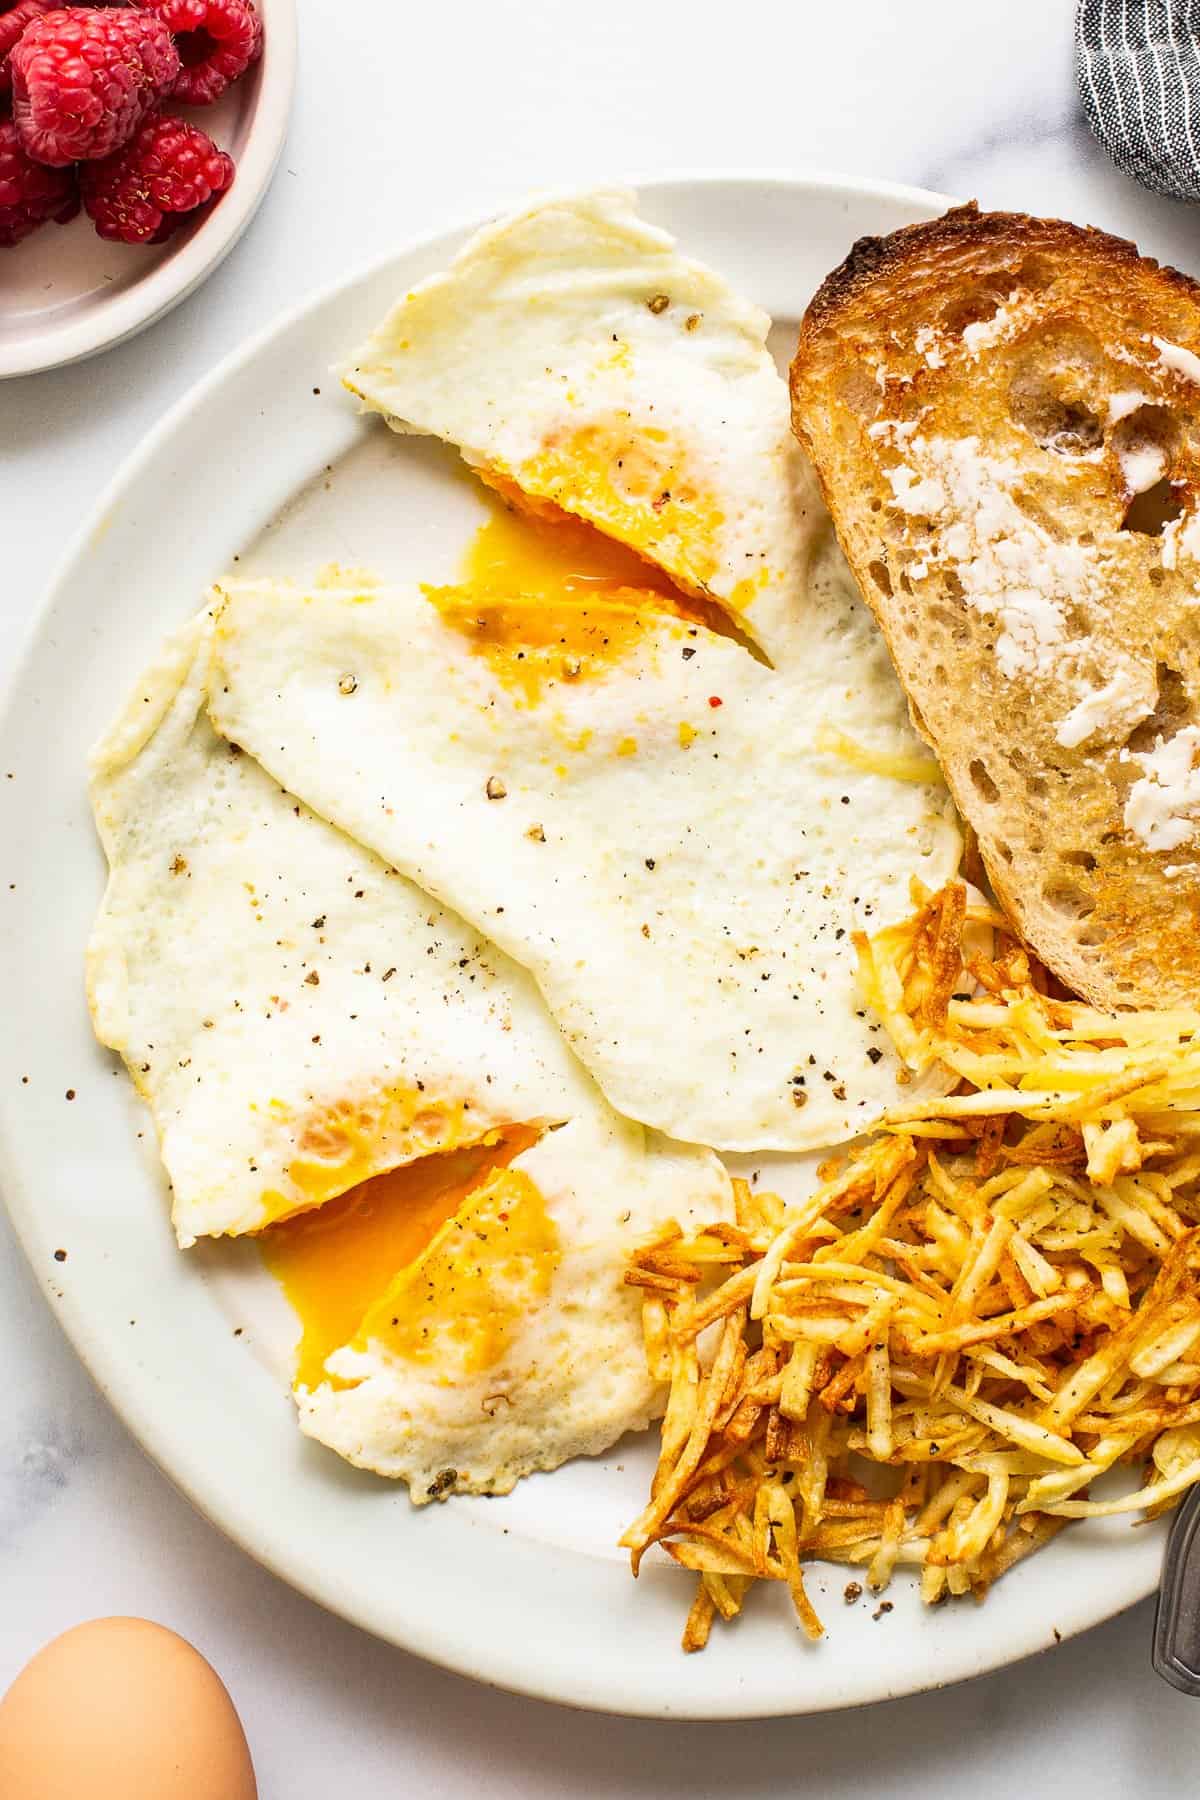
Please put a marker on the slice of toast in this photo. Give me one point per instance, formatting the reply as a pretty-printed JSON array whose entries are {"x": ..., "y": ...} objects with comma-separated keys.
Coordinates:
[{"x": 1004, "y": 413}]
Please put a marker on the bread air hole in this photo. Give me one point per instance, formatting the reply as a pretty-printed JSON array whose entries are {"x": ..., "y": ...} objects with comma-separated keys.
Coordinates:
[
  {"x": 1150, "y": 513},
  {"x": 1034, "y": 784},
  {"x": 984, "y": 786},
  {"x": 1146, "y": 425},
  {"x": 1079, "y": 859},
  {"x": 1068, "y": 427},
  {"x": 859, "y": 390},
  {"x": 1036, "y": 274},
  {"x": 953, "y": 622},
  {"x": 879, "y": 575},
  {"x": 1171, "y": 711},
  {"x": 1067, "y": 897},
  {"x": 1053, "y": 388},
  {"x": 1144, "y": 441},
  {"x": 983, "y": 302}
]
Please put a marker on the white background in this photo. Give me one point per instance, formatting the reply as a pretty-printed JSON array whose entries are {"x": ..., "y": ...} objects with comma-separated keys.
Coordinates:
[{"x": 410, "y": 117}]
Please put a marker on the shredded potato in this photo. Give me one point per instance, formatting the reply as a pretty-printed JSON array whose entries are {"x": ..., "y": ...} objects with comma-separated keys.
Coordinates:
[{"x": 983, "y": 1308}]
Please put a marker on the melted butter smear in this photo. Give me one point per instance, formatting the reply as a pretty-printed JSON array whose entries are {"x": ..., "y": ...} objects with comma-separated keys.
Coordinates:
[
  {"x": 545, "y": 598},
  {"x": 335, "y": 1263}
]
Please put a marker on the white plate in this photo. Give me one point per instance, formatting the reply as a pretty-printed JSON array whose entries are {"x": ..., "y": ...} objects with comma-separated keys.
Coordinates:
[
  {"x": 68, "y": 294},
  {"x": 528, "y": 1592}
]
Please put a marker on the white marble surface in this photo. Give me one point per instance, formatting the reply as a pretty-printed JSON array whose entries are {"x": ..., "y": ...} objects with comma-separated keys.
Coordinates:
[{"x": 407, "y": 118}]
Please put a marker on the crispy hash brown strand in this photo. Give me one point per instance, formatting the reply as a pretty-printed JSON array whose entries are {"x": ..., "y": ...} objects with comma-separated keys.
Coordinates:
[{"x": 982, "y": 1309}]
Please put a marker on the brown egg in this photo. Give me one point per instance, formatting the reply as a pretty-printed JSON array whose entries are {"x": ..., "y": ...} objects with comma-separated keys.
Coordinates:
[{"x": 121, "y": 1708}]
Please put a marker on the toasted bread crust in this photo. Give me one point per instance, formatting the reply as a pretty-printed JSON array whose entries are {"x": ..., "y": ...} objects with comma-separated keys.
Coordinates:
[
  {"x": 875, "y": 260},
  {"x": 1004, "y": 414}
]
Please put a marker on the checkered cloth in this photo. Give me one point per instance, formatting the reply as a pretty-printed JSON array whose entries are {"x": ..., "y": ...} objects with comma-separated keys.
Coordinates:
[{"x": 1138, "y": 66}]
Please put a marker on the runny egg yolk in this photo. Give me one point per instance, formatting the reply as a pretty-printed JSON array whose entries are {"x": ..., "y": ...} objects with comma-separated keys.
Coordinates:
[
  {"x": 334, "y": 1263},
  {"x": 549, "y": 556},
  {"x": 456, "y": 1309},
  {"x": 638, "y": 483},
  {"x": 546, "y": 599}
]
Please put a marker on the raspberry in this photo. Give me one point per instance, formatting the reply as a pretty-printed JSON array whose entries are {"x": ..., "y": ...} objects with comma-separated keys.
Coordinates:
[
  {"x": 217, "y": 40},
  {"x": 13, "y": 20},
  {"x": 29, "y": 193},
  {"x": 143, "y": 192},
  {"x": 84, "y": 78}
]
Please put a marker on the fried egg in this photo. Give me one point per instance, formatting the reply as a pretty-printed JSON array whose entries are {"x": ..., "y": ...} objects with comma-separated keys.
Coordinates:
[
  {"x": 511, "y": 1342},
  {"x": 312, "y": 1033},
  {"x": 675, "y": 840},
  {"x": 579, "y": 362},
  {"x": 297, "y": 1017}
]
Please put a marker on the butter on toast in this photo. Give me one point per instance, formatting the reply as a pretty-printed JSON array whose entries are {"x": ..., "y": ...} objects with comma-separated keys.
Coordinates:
[{"x": 1004, "y": 413}]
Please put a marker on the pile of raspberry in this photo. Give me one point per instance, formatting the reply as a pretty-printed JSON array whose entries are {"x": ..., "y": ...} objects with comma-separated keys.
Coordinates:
[{"x": 90, "y": 124}]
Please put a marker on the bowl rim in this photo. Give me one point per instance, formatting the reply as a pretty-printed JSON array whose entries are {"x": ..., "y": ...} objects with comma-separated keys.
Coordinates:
[{"x": 119, "y": 317}]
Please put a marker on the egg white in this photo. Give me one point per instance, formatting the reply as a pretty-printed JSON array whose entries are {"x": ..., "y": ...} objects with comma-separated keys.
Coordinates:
[
  {"x": 226, "y": 895},
  {"x": 663, "y": 839},
  {"x": 296, "y": 1015},
  {"x": 550, "y": 1362},
  {"x": 573, "y": 353}
]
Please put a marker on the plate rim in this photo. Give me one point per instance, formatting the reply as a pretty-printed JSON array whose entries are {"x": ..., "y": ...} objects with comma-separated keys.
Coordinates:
[
  {"x": 422, "y": 1637},
  {"x": 122, "y": 316}
]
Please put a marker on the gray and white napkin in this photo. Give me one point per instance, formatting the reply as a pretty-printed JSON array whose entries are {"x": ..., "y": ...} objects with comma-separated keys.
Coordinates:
[{"x": 1138, "y": 67}]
